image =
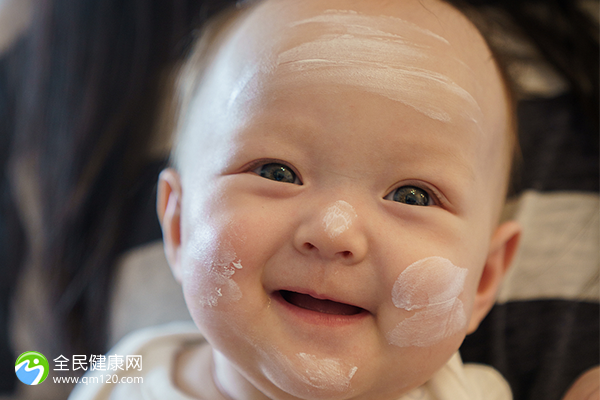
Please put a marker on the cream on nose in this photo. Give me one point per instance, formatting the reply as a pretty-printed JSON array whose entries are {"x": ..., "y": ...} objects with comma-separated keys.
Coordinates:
[
  {"x": 334, "y": 233},
  {"x": 338, "y": 218}
]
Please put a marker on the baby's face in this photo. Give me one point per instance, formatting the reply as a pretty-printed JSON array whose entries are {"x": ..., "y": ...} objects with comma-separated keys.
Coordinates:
[{"x": 341, "y": 169}]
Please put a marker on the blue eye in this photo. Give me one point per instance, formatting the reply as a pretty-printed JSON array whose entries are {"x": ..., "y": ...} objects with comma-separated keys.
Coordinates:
[
  {"x": 277, "y": 172},
  {"x": 411, "y": 195}
]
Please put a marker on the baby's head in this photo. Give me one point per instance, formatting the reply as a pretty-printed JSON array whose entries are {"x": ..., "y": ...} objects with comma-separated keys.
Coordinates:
[{"x": 333, "y": 214}]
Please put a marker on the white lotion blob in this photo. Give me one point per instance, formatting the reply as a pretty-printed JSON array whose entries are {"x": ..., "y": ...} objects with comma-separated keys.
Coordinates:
[
  {"x": 338, "y": 218},
  {"x": 428, "y": 282},
  {"x": 218, "y": 281},
  {"x": 326, "y": 374},
  {"x": 429, "y": 325},
  {"x": 212, "y": 271},
  {"x": 430, "y": 286}
]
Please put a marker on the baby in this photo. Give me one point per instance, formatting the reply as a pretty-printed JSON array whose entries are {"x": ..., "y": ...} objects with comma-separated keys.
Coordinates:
[{"x": 332, "y": 215}]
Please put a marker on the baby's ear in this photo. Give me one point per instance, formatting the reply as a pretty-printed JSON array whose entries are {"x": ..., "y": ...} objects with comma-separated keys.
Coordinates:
[
  {"x": 168, "y": 208},
  {"x": 503, "y": 247}
]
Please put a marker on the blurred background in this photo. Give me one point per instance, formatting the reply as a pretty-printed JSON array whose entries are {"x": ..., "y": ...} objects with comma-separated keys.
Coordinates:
[{"x": 84, "y": 131}]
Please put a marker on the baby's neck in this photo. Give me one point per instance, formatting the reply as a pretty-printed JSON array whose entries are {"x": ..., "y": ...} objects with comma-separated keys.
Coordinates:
[
  {"x": 193, "y": 373},
  {"x": 206, "y": 374}
]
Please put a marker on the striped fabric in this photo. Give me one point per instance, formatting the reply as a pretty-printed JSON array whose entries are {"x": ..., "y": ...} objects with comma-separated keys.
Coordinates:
[{"x": 544, "y": 330}]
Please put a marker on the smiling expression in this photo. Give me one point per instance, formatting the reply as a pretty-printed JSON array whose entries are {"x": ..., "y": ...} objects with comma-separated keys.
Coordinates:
[{"x": 342, "y": 170}]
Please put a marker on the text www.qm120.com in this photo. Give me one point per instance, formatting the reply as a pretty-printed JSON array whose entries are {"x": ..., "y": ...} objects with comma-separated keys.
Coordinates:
[{"x": 106, "y": 378}]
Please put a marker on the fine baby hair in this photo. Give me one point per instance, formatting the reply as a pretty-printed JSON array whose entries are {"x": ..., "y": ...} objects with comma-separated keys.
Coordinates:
[{"x": 333, "y": 214}]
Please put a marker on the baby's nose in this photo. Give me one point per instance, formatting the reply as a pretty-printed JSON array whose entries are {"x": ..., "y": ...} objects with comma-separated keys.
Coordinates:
[{"x": 334, "y": 233}]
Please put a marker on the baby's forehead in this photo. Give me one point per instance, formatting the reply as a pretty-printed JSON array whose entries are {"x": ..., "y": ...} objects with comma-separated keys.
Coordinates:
[
  {"x": 427, "y": 56},
  {"x": 395, "y": 32},
  {"x": 422, "y": 54}
]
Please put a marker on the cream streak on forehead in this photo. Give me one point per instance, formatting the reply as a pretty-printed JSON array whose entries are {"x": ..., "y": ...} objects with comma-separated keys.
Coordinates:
[
  {"x": 430, "y": 287},
  {"x": 383, "y": 55}
]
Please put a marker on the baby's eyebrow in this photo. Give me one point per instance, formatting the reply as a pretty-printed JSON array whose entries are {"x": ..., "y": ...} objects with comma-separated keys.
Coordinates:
[{"x": 463, "y": 164}]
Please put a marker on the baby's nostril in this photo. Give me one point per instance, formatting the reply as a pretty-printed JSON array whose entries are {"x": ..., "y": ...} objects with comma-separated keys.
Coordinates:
[
  {"x": 346, "y": 254},
  {"x": 308, "y": 246}
]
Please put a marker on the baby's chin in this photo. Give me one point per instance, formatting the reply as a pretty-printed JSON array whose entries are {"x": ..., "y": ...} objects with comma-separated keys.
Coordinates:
[
  {"x": 288, "y": 373},
  {"x": 309, "y": 376},
  {"x": 282, "y": 373},
  {"x": 280, "y": 369}
]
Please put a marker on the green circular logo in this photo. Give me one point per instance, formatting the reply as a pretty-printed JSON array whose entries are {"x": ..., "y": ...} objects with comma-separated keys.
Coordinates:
[{"x": 32, "y": 368}]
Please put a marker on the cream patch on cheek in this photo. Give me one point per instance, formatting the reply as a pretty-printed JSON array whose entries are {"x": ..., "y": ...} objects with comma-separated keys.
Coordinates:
[
  {"x": 338, "y": 218},
  {"x": 211, "y": 270},
  {"x": 430, "y": 287}
]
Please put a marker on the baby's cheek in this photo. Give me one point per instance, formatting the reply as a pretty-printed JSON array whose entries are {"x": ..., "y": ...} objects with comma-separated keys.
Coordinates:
[
  {"x": 210, "y": 263},
  {"x": 429, "y": 288}
]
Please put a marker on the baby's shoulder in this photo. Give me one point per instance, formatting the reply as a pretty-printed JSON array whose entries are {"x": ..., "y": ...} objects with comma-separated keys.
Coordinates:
[
  {"x": 458, "y": 381},
  {"x": 140, "y": 365}
]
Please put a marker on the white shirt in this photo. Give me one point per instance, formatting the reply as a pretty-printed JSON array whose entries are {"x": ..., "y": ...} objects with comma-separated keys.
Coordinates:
[{"x": 159, "y": 346}]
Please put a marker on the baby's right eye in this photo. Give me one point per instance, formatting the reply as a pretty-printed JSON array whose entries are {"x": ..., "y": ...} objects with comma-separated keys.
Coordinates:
[{"x": 277, "y": 172}]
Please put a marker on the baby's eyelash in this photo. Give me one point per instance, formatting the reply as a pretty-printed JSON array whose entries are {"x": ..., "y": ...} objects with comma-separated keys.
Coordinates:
[
  {"x": 254, "y": 165},
  {"x": 434, "y": 195}
]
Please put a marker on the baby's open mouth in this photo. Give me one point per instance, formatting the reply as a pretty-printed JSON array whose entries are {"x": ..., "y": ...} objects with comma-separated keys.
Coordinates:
[{"x": 323, "y": 306}]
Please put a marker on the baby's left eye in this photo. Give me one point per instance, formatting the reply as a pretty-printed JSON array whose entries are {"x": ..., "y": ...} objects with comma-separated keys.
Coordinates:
[
  {"x": 410, "y": 195},
  {"x": 277, "y": 172}
]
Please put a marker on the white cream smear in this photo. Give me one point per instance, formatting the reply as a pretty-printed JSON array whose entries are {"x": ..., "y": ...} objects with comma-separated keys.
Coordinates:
[
  {"x": 213, "y": 276},
  {"x": 326, "y": 373},
  {"x": 431, "y": 287},
  {"x": 329, "y": 374},
  {"x": 376, "y": 54},
  {"x": 338, "y": 218}
]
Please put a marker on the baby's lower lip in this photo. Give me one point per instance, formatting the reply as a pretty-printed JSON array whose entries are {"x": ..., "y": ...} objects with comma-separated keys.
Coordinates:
[{"x": 318, "y": 312}]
